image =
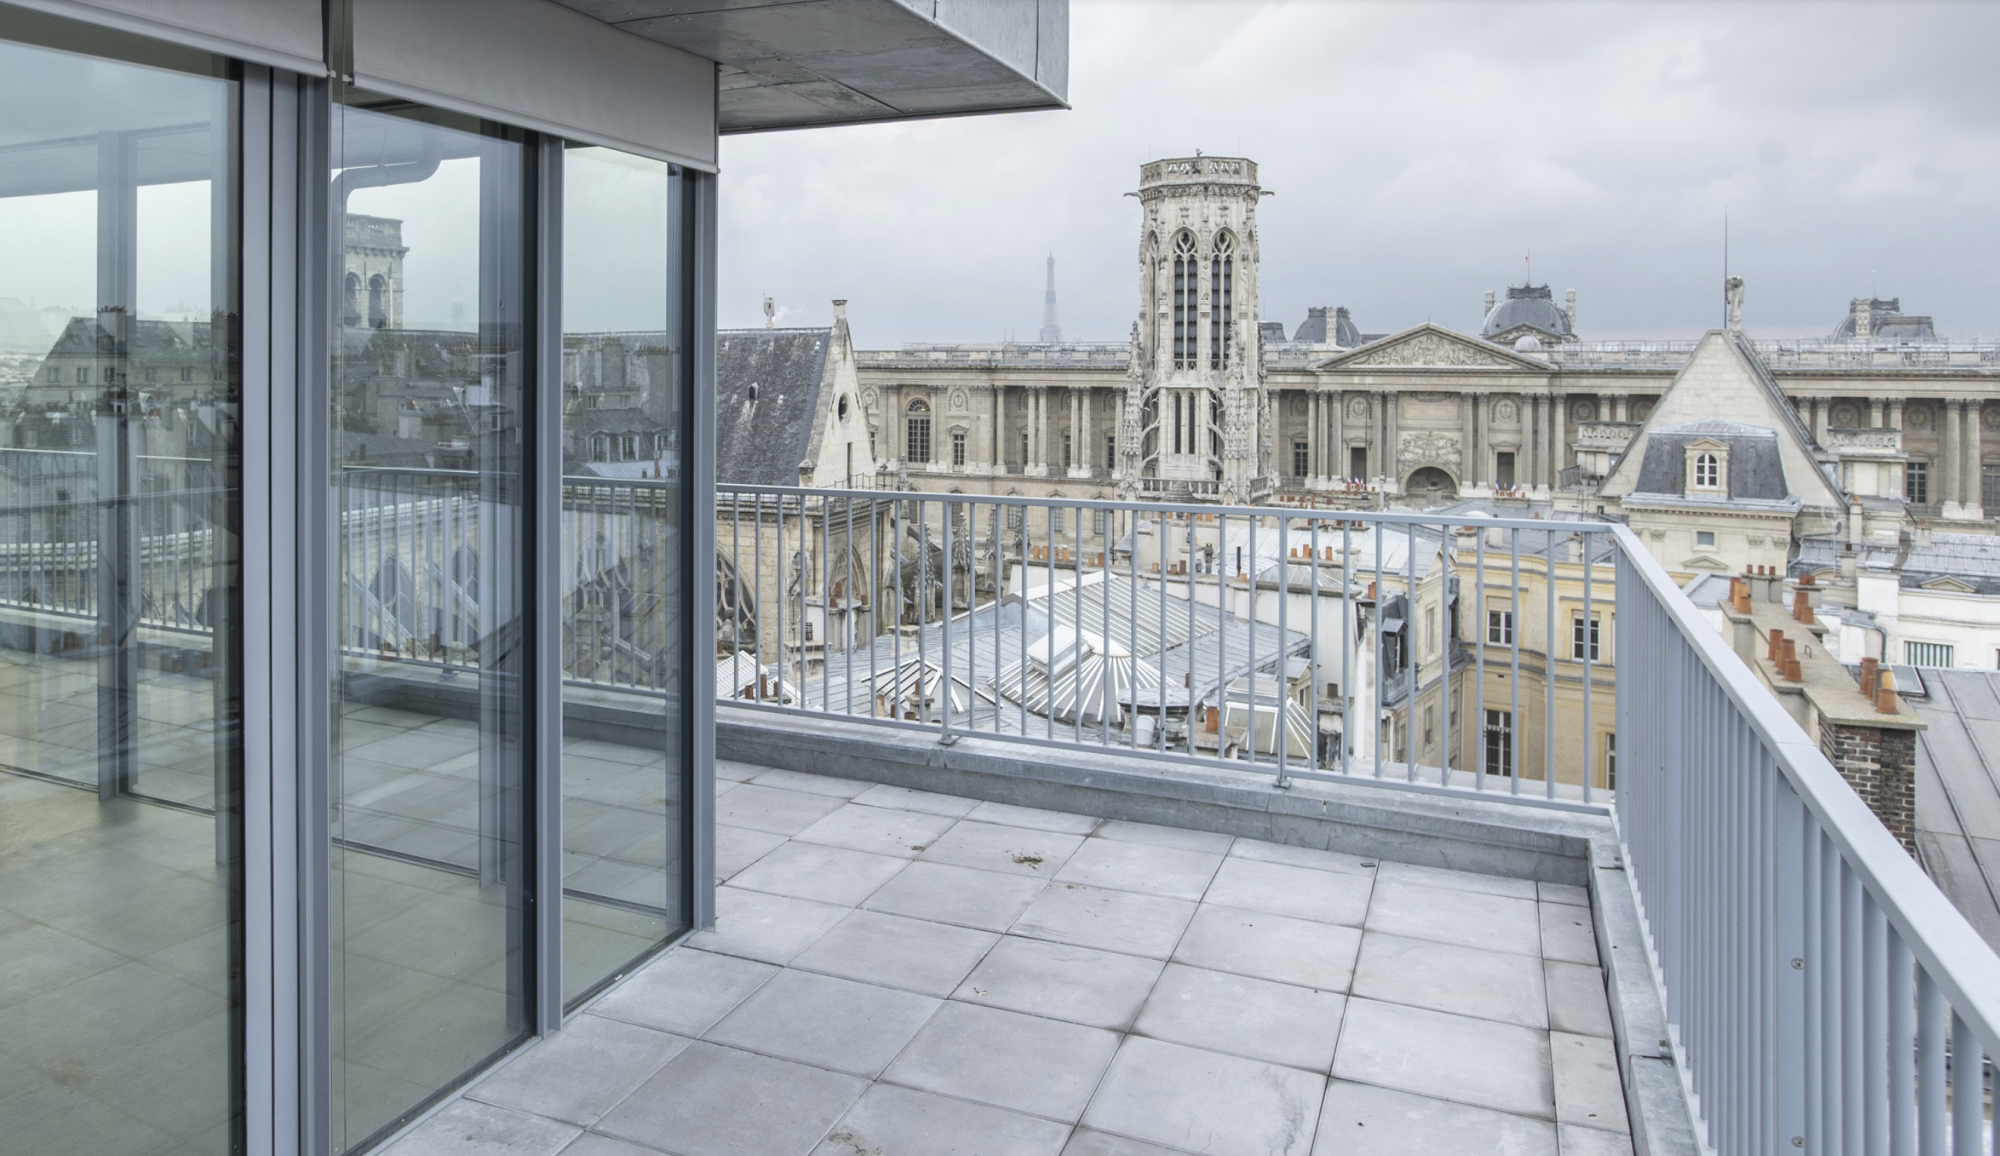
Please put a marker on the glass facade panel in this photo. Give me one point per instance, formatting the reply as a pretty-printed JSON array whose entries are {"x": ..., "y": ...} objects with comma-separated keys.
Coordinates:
[
  {"x": 430, "y": 969},
  {"x": 120, "y": 687},
  {"x": 624, "y": 380}
]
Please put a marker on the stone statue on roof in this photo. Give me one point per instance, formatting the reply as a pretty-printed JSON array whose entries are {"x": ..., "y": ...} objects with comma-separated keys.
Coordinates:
[
  {"x": 1732, "y": 292},
  {"x": 770, "y": 313}
]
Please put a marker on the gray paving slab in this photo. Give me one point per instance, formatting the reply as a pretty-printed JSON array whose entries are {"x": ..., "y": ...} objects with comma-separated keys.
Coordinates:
[
  {"x": 1365, "y": 1120},
  {"x": 737, "y": 772},
  {"x": 815, "y": 871},
  {"x": 892, "y": 1120},
  {"x": 1567, "y": 934},
  {"x": 966, "y": 896},
  {"x": 772, "y": 809},
  {"x": 1300, "y": 892},
  {"x": 738, "y": 847},
  {"x": 1129, "y": 832},
  {"x": 880, "y": 830},
  {"x": 1147, "y": 868},
  {"x": 1458, "y": 880},
  {"x": 684, "y": 991},
  {"x": 1568, "y": 893},
  {"x": 470, "y": 1128},
  {"x": 1494, "y": 985},
  {"x": 592, "y": 1144},
  {"x": 826, "y": 1021},
  {"x": 896, "y": 951},
  {"x": 577, "y": 1074},
  {"x": 1254, "y": 1018},
  {"x": 994, "y": 847},
  {"x": 1588, "y": 1090},
  {"x": 1311, "y": 857},
  {"x": 716, "y": 1101},
  {"x": 1577, "y": 998},
  {"x": 1082, "y": 985},
  {"x": 1576, "y": 1141},
  {"x": 1205, "y": 1102},
  {"x": 1297, "y": 951},
  {"x": 1496, "y": 922},
  {"x": 1126, "y": 921},
  {"x": 905, "y": 799},
  {"x": 1010, "y": 815},
  {"x": 1026, "y": 1063},
  {"x": 810, "y": 784},
  {"x": 1090, "y": 1142},
  {"x": 1452, "y": 1057},
  {"x": 773, "y": 928}
]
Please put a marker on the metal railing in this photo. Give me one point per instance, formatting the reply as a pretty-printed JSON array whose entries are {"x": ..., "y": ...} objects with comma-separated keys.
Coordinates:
[
  {"x": 1822, "y": 993},
  {"x": 1293, "y": 642}
]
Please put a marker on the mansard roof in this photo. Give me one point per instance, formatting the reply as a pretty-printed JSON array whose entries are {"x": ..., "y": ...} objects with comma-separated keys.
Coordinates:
[{"x": 767, "y": 384}]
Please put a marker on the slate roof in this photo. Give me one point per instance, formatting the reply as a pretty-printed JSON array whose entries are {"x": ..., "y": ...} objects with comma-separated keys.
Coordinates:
[
  {"x": 1527, "y": 305},
  {"x": 1958, "y": 791},
  {"x": 766, "y": 399},
  {"x": 1886, "y": 322},
  {"x": 1314, "y": 328},
  {"x": 1755, "y": 469}
]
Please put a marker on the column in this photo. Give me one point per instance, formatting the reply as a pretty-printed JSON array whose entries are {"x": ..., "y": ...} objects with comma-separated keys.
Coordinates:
[
  {"x": 1528, "y": 470},
  {"x": 1337, "y": 435},
  {"x": 1558, "y": 420},
  {"x": 1972, "y": 463},
  {"x": 1875, "y": 413},
  {"x": 999, "y": 433},
  {"x": 1376, "y": 420},
  {"x": 1954, "y": 445},
  {"x": 1623, "y": 404},
  {"x": 1895, "y": 415},
  {"x": 1471, "y": 446},
  {"x": 1482, "y": 435},
  {"x": 1389, "y": 467},
  {"x": 1820, "y": 407},
  {"x": 1083, "y": 435},
  {"x": 1313, "y": 431}
]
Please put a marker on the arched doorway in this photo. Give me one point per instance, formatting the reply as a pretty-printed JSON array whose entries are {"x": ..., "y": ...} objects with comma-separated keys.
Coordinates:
[{"x": 1430, "y": 487}]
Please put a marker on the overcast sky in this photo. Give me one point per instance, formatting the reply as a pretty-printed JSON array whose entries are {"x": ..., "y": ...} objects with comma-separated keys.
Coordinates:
[{"x": 1419, "y": 151}]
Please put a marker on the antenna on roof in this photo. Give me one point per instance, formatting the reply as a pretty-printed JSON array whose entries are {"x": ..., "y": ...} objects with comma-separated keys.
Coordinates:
[{"x": 1725, "y": 268}]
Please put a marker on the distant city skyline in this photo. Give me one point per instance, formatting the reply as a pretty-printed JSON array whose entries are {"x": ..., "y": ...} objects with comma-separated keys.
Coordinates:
[{"x": 1420, "y": 153}]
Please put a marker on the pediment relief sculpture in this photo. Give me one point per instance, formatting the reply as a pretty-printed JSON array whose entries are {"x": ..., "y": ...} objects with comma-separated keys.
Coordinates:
[{"x": 1432, "y": 349}]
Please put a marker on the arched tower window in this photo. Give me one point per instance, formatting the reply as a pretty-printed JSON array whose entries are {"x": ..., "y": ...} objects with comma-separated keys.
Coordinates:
[
  {"x": 1222, "y": 287},
  {"x": 1187, "y": 288},
  {"x": 917, "y": 439},
  {"x": 378, "y": 313},
  {"x": 351, "y": 313}
]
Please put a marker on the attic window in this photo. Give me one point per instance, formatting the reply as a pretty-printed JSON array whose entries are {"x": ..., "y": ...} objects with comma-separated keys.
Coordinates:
[
  {"x": 1707, "y": 466},
  {"x": 1707, "y": 470},
  {"x": 843, "y": 407}
]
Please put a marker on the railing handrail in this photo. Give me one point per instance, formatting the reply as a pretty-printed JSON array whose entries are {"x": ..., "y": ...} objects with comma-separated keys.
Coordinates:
[{"x": 1938, "y": 935}]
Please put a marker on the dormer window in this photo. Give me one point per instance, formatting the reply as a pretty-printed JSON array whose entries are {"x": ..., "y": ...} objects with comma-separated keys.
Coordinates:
[
  {"x": 1707, "y": 472},
  {"x": 1707, "y": 467}
]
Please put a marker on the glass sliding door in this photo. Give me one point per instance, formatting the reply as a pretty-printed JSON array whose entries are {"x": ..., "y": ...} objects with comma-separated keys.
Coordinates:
[
  {"x": 625, "y": 376},
  {"x": 120, "y": 692},
  {"x": 430, "y": 808}
]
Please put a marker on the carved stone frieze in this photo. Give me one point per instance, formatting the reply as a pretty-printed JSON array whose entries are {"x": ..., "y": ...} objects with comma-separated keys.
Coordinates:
[
  {"x": 1428, "y": 349},
  {"x": 1428, "y": 448}
]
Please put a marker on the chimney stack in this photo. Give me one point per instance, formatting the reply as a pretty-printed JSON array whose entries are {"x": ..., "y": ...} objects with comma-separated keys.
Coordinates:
[
  {"x": 1870, "y": 669},
  {"x": 1885, "y": 694}
]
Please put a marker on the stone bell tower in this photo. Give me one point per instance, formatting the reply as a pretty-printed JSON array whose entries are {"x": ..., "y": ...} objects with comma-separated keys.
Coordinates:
[{"x": 1196, "y": 410}]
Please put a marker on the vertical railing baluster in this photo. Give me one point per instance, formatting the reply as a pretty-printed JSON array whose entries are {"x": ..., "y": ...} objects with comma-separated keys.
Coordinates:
[
  {"x": 1381, "y": 650},
  {"x": 1347, "y": 641},
  {"x": 1514, "y": 625},
  {"x": 1968, "y": 1094}
]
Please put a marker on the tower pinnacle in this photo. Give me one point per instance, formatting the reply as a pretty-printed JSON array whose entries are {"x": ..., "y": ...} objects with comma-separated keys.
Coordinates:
[{"x": 1051, "y": 328}]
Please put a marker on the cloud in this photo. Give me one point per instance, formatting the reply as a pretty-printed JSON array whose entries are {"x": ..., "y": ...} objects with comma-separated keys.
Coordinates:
[{"x": 1418, "y": 150}]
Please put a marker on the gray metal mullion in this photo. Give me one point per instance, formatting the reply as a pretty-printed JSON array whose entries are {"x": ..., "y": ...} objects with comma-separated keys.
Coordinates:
[
  {"x": 695, "y": 272},
  {"x": 543, "y": 674}
]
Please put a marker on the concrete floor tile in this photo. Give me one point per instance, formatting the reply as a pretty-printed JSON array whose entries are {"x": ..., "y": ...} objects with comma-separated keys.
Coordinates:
[
  {"x": 1496, "y": 922},
  {"x": 577, "y": 1074},
  {"x": 1576, "y": 1141},
  {"x": 737, "y": 772},
  {"x": 1589, "y": 1092},
  {"x": 1124, "y": 921},
  {"x": 1471, "y": 1061},
  {"x": 469, "y": 1128},
  {"x": 1309, "y": 857},
  {"x": 770, "y": 809},
  {"x": 1364, "y": 1120},
  {"x": 810, "y": 784},
  {"x": 1300, "y": 892},
  {"x": 1568, "y": 893},
  {"x": 717, "y": 1101},
  {"x": 992, "y": 847},
  {"x": 895, "y": 951},
  {"x": 773, "y": 928},
  {"x": 1253, "y": 1018},
  {"x": 1143, "y": 867},
  {"x": 1577, "y": 998},
  {"x": 738, "y": 847},
  {"x": 905, "y": 799},
  {"x": 879, "y": 830},
  {"x": 1213, "y": 842},
  {"x": 965, "y": 896},
  {"x": 1567, "y": 934},
  {"x": 1493, "y": 985},
  {"x": 1456, "y": 880},
  {"x": 1009, "y": 815},
  {"x": 814, "y": 871},
  {"x": 1081, "y": 985},
  {"x": 591, "y": 1144},
  {"x": 1006, "y": 1059},
  {"x": 1089, "y": 1142},
  {"x": 897, "y": 1120},
  {"x": 1205, "y": 1102},
  {"x": 832, "y": 1023},
  {"x": 1278, "y": 947},
  {"x": 684, "y": 991}
]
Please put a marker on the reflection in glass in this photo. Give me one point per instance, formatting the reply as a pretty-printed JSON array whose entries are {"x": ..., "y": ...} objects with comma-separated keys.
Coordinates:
[
  {"x": 120, "y": 759},
  {"x": 623, "y": 378},
  {"x": 428, "y": 890}
]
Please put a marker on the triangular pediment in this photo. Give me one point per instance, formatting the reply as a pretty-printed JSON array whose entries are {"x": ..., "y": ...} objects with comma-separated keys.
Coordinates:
[
  {"x": 1430, "y": 346},
  {"x": 1709, "y": 444},
  {"x": 1704, "y": 562},
  {"x": 1948, "y": 585}
]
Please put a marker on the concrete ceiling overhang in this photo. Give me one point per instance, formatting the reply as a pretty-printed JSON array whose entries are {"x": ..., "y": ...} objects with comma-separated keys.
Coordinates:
[{"x": 805, "y": 63}]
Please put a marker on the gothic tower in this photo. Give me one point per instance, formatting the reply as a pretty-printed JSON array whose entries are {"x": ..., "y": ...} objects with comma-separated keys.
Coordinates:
[{"x": 1195, "y": 407}]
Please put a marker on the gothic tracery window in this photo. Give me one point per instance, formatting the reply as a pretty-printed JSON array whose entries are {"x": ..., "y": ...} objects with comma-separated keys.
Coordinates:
[
  {"x": 1187, "y": 287},
  {"x": 1222, "y": 286}
]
